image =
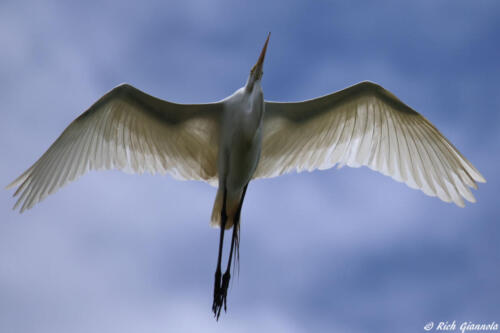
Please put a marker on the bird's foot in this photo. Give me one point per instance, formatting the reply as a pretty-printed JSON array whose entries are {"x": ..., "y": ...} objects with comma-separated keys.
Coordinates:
[
  {"x": 220, "y": 294},
  {"x": 217, "y": 304},
  {"x": 217, "y": 282},
  {"x": 225, "y": 285},
  {"x": 217, "y": 288}
]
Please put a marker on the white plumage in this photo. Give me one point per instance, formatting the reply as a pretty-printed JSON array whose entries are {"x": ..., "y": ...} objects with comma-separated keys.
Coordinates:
[
  {"x": 365, "y": 125},
  {"x": 131, "y": 131}
]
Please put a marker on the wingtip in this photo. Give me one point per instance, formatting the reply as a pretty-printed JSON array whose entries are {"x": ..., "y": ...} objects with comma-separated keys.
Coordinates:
[
  {"x": 481, "y": 179},
  {"x": 11, "y": 185},
  {"x": 19, "y": 211},
  {"x": 17, "y": 205}
]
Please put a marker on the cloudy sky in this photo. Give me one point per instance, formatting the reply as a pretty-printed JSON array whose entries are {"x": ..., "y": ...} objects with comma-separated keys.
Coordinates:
[{"x": 344, "y": 250}]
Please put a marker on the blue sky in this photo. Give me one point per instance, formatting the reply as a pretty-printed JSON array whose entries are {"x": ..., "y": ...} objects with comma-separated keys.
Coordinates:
[{"x": 344, "y": 250}]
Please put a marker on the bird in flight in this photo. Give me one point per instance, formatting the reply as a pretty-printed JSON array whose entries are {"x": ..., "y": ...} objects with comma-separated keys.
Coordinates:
[{"x": 243, "y": 137}]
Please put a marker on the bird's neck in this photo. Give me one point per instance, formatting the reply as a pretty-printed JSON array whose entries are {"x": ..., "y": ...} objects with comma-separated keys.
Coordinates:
[
  {"x": 255, "y": 110},
  {"x": 252, "y": 83}
]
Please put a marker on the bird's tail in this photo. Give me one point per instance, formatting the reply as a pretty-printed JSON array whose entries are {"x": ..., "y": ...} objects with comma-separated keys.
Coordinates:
[
  {"x": 232, "y": 204},
  {"x": 215, "y": 220}
]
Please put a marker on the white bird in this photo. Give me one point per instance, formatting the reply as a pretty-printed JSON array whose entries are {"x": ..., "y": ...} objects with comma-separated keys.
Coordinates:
[{"x": 243, "y": 137}]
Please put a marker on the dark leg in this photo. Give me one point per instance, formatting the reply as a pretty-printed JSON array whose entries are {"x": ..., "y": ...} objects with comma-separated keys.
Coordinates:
[
  {"x": 218, "y": 298},
  {"x": 235, "y": 244}
]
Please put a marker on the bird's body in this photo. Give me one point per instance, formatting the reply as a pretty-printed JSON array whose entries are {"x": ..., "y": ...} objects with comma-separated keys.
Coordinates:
[
  {"x": 239, "y": 148},
  {"x": 244, "y": 137}
]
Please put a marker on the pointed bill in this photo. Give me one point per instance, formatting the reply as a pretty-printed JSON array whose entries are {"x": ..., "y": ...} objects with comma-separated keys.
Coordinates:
[{"x": 260, "y": 62}]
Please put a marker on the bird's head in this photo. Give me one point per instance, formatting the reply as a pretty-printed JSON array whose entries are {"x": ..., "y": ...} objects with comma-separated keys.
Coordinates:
[{"x": 256, "y": 72}]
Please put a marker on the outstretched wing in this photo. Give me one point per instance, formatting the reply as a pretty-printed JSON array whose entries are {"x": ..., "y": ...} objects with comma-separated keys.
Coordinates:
[
  {"x": 130, "y": 130},
  {"x": 364, "y": 125}
]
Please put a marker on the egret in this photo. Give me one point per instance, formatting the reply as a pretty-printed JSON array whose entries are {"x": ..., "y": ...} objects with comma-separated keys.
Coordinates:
[{"x": 243, "y": 137}]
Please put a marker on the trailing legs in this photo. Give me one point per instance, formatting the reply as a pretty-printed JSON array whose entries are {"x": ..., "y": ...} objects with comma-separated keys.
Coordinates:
[{"x": 221, "y": 286}]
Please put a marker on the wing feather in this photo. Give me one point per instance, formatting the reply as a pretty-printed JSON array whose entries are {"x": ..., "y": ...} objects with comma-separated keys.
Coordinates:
[
  {"x": 365, "y": 125},
  {"x": 128, "y": 130}
]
